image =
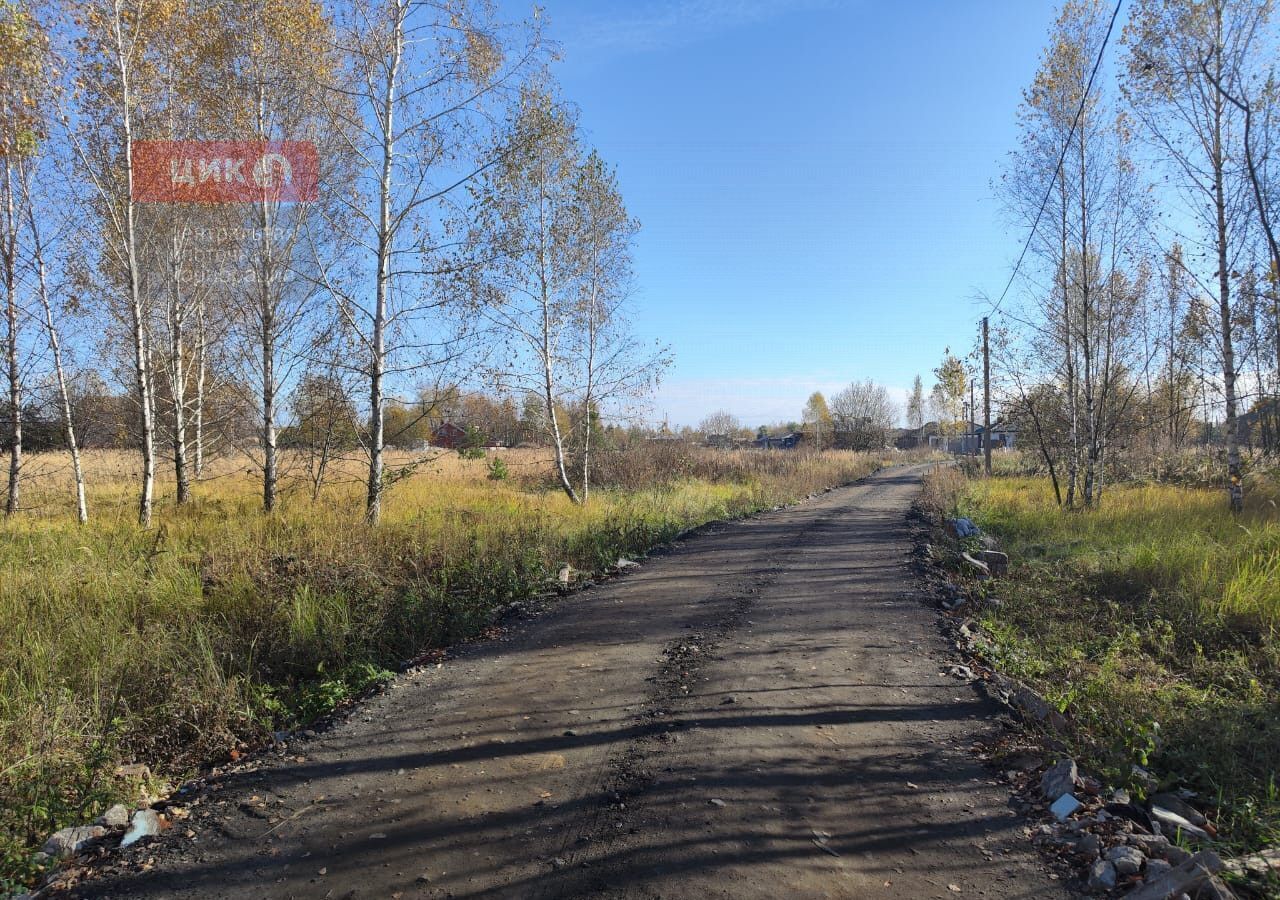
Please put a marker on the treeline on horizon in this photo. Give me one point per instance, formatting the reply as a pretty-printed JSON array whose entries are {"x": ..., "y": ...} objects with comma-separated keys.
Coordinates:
[{"x": 465, "y": 246}]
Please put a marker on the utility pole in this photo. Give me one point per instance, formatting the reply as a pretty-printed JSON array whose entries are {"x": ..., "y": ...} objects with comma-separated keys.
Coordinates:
[
  {"x": 986, "y": 398},
  {"x": 971, "y": 421}
]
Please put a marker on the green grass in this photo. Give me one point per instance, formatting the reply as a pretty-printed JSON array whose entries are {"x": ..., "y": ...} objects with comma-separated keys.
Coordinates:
[
  {"x": 175, "y": 645},
  {"x": 1155, "y": 621}
]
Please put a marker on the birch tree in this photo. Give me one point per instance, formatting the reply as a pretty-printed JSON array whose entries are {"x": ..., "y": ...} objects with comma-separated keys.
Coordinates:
[
  {"x": 616, "y": 368},
  {"x": 524, "y": 232},
  {"x": 414, "y": 110},
  {"x": 29, "y": 179},
  {"x": 21, "y": 63},
  {"x": 1179, "y": 52},
  {"x": 114, "y": 87},
  {"x": 279, "y": 65}
]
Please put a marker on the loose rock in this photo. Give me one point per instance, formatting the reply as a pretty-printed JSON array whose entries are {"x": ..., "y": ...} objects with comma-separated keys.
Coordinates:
[
  {"x": 1170, "y": 820},
  {"x": 146, "y": 823},
  {"x": 1088, "y": 846},
  {"x": 997, "y": 563},
  {"x": 1127, "y": 860},
  {"x": 1189, "y": 876},
  {"x": 1258, "y": 865},
  {"x": 115, "y": 817},
  {"x": 1064, "y": 806},
  {"x": 1059, "y": 779},
  {"x": 1176, "y": 804},
  {"x": 1102, "y": 876},
  {"x": 70, "y": 841}
]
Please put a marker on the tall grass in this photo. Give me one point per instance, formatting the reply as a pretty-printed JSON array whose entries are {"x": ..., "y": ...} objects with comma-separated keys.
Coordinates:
[
  {"x": 1155, "y": 620},
  {"x": 169, "y": 646}
]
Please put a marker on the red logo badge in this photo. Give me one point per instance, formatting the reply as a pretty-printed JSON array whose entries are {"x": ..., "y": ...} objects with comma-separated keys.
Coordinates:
[{"x": 224, "y": 171}]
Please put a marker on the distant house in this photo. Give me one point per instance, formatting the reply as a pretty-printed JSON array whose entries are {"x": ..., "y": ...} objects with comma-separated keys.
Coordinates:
[
  {"x": 968, "y": 440},
  {"x": 448, "y": 435},
  {"x": 1003, "y": 435},
  {"x": 788, "y": 441}
]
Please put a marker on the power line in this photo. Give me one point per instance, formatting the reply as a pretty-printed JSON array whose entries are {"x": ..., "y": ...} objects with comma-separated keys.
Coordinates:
[{"x": 1061, "y": 158}]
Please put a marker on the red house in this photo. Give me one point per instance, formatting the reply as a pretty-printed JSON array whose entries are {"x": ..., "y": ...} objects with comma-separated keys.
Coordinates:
[{"x": 448, "y": 435}]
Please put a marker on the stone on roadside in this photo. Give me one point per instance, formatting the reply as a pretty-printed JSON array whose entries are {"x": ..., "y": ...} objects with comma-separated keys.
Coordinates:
[
  {"x": 1176, "y": 804},
  {"x": 1189, "y": 876},
  {"x": 980, "y": 568},
  {"x": 1214, "y": 889},
  {"x": 997, "y": 563},
  {"x": 1059, "y": 779},
  {"x": 1264, "y": 864},
  {"x": 1088, "y": 846},
  {"x": 1143, "y": 777},
  {"x": 1127, "y": 860},
  {"x": 115, "y": 817},
  {"x": 69, "y": 841},
  {"x": 146, "y": 823},
  {"x": 1156, "y": 868},
  {"x": 624, "y": 563},
  {"x": 1151, "y": 845},
  {"x": 1064, "y": 806},
  {"x": 1102, "y": 876},
  {"x": 962, "y": 527},
  {"x": 1171, "y": 821},
  {"x": 133, "y": 770}
]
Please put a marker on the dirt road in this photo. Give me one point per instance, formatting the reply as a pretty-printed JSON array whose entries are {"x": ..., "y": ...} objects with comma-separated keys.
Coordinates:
[{"x": 760, "y": 713}]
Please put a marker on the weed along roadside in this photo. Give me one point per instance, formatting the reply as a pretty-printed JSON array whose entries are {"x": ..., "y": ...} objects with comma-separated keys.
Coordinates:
[
  {"x": 132, "y": 659},
  {"x": 1138, "y": 643}
]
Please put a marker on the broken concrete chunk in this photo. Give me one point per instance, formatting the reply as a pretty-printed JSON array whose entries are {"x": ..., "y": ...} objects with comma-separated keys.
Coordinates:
[
  {"x": 1214, "y": 889},
  {"x": 1059, "y": 779},
  {"x": 1102, "y": 876},
  {"x": 70, "y": 841},
  {"x": 997, "y": 563},
  {"x": 1064, "y": 806},
  {"x": 1176, "y": 804},
  {"x": 1029, "y": 703},
  {"x": 1127, "y": 860},
  {"x": 1188, "y": 876},
  {"x": 1170, "y": 820},
  {"x": 146, "y": 823},
  {"x": 979, "y": 567},
  {"x": 115, "y": 817},
  {"x": 1257, "y": 865}
]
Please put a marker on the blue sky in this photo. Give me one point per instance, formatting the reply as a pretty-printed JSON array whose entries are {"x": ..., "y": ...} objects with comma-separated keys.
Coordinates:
[{"x": 813, "y": 178}]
